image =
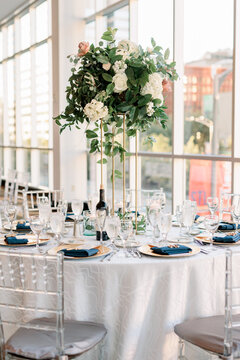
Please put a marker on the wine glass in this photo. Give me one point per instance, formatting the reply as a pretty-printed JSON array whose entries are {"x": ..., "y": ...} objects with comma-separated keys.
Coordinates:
[
  {"x": 10, "y": 213},
  {"x": 57, "y": 225},
  {"x": 101, "y": 218},
  {"x": 43, "y": 200},
  {"x": 211, "y": 224},
  {"x": 153, "y": 216},
  {"x": 125, "y": 231},
  {"x": 235, "y": 210},
  {"x": 165, "y": 224},
  {"x": 212, "y": 203},
  {"x": 112, "y": 228},
  {"x": 179, "y": 217},
  {"x": 36, "y": 226},
  {"x": 62, "y": 207},
  {"x": 77, "y": 208}
]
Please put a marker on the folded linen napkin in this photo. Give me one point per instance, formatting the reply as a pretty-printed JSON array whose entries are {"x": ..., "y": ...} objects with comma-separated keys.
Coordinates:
[
  {"x": 171, "y": 250},
  {"x": 80, "y": 252},
  {"x": 224, "y": 225},
  {"x": 68, "y": 218},
  {"x": 12, "y": 240},
  {"x": 23, "y": 226},
  {"x": 227, "y": 239}
]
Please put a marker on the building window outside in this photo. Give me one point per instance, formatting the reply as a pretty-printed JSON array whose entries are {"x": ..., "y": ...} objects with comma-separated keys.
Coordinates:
[{"x": 25, "y": 93}]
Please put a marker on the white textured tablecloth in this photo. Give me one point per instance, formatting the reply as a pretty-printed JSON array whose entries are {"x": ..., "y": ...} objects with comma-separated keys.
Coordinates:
[{"x": 140, "y": 300}]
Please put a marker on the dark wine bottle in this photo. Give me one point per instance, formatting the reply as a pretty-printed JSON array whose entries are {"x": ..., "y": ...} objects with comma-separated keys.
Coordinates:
[{"x": 103, "y": 206}]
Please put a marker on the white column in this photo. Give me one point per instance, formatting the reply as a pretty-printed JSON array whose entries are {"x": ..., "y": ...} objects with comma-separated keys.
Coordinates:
[{"x": 178, "y": 104}]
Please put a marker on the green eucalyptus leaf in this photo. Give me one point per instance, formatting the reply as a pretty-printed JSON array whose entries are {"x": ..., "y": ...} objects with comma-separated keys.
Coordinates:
[
  {"x": 104, "y": 161},
  {"x": 166, "y": 54},
  {"x": 91, "y": 134},
  {"x": 107, "y": 77},
  {"x": 102, "y": 59}
]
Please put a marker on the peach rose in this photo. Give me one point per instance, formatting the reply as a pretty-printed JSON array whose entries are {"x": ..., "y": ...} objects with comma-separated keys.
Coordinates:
[
  {"x": 83, "y": 48},
  {"x": 106, "y": 66},
  {"x": 166, "y": 86}
]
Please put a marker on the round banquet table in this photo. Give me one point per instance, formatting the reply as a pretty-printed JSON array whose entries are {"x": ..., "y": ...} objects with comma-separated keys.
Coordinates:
[{"x": 140, "y": 300}]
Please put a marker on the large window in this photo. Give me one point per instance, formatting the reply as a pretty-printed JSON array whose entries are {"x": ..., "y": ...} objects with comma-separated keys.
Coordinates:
[
  {"x": 25, "y": 93},
  {"x": 198, "y": 155}
]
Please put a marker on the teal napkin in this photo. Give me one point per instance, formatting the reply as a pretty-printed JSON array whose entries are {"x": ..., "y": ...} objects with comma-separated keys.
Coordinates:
[
  {"x": 68, "y": 218},
  {"x": 167, "y": 250},
  {"x": 227, "y": 239},
  {"x": 224, "y": 225},
  {"x": 12, "y": 240},
  {"x": 23, "y": 226},
  {"x": 80, "y": 252}
]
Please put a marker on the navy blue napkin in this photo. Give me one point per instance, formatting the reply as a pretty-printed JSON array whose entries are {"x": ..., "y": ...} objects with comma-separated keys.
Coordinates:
[
  {"x": 224, "y": 225},
  {"x": 12, "y": 240},
  {"x": 80, "y": 252},
  {"x": 23, "y": 226},
  {"x": 167, "y": 250},
  {"x": 68, "y": 218},
  {"x": 227, "y": 239}
]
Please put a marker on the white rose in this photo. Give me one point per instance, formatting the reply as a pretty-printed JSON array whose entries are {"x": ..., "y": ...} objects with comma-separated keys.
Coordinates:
[
  {"x": 129, "y": 46},
  {"x": 122, "y": 52},
  {"x": 150, "y": 110},
  {"x": 120, "y": 82},
  {"x": 154, "y": 86},
  {"x": 106, "y": 66},
  {"x": 119, "y": 66},
  {"x": 95, "y": 110}
]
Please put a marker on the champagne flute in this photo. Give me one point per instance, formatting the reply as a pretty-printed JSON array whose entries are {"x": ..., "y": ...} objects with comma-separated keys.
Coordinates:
[
  {"x": 57, "y": 225},
  {"x": 125, "y": 230},
  {"x": 36, "y": 226},
  {"x": 212, "y": 203},
  {"x": 101, "y": 218},
  {"x": 112, "y": 227},
  {"x": 211, "y": 224},
  {"x": 10, "y": 213}
]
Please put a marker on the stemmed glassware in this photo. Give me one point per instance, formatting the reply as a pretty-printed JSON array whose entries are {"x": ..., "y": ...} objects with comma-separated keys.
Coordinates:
[
  {"x": 36, "y": 226},
  {"x": 188, "y": 214},
  {"x": 211, "y": 224},
  {"x": 62, "y": 207},
  {"x": 179, "y": 217},
  {"x": 57, "y": 225},
  {"x": 44, "y": 214},
  {"x": 125, "y": 231},
  {"x": 112, "y": 227},
  {"x": 235, "y": 210},
  {"x": 10, "y": 213},
  {"x": 101, "y": 215},
  {"x": 153, "y": 217},
  {"x": 212, "y": 203},
  {"x": 77, "y": 208},
  {"x": 165, "y": 224}
]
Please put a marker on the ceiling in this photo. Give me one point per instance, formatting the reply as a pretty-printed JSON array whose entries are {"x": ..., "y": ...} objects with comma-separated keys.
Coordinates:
[{"x": 9, "y": 6}]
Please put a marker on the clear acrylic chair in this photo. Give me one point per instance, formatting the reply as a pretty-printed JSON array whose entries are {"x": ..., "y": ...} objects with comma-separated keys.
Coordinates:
[
  {"x": 218, "y": 335},
  {"x": 10, "y": 184},
  {"x": 31, "y": 200},
  {"x": 21, "y": 186},
  {"x": 32, "y": 324}
]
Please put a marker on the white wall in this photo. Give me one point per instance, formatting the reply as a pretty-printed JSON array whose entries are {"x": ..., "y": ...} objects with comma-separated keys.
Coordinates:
[{"x": 73, "y": 160}]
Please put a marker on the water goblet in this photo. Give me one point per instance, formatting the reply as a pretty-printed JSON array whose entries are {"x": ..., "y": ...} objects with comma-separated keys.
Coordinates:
[
  {"x": 165, "y": 224},
  {"x": 36, "y": 226},
  {"x": 57, "y": 225},
  {"x": 211, "y": 224},
  {"x": 62, "y": 207},
  {"x": 112, "y": 227},
  {"x": 188, "y": 218},
  {"x": 43, "y": 200},
  {"x": 153, "y": 216},
  {"x": 125, "y": 231},
  {"x": 179, "y": 217},
  {"x": 44, "y": 214},
  {"x": 212, "y": 203},
  {"x": 10, "y": 213},
  {"x": 101, "y": 218},
  {"x": 77, "y": 208},
  {"x": 235, "y": 210}
]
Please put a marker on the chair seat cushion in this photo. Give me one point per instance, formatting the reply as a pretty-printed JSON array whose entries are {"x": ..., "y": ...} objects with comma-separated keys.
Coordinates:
[
  {"x": 79, "y": 336},
  {"x": 208, "y": 333}
]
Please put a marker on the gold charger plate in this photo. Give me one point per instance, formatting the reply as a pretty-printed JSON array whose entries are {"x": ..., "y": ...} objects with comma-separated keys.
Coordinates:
[
  {"x": 103, "y": 250},
  {"x": 206, "y": 239},
  {"x": 146, "y": 250},
  {"x": 31, "y": 241}
]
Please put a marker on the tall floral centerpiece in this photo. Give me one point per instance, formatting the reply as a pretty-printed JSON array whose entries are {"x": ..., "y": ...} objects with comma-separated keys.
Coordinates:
[{"x": 116, "y": 88}]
